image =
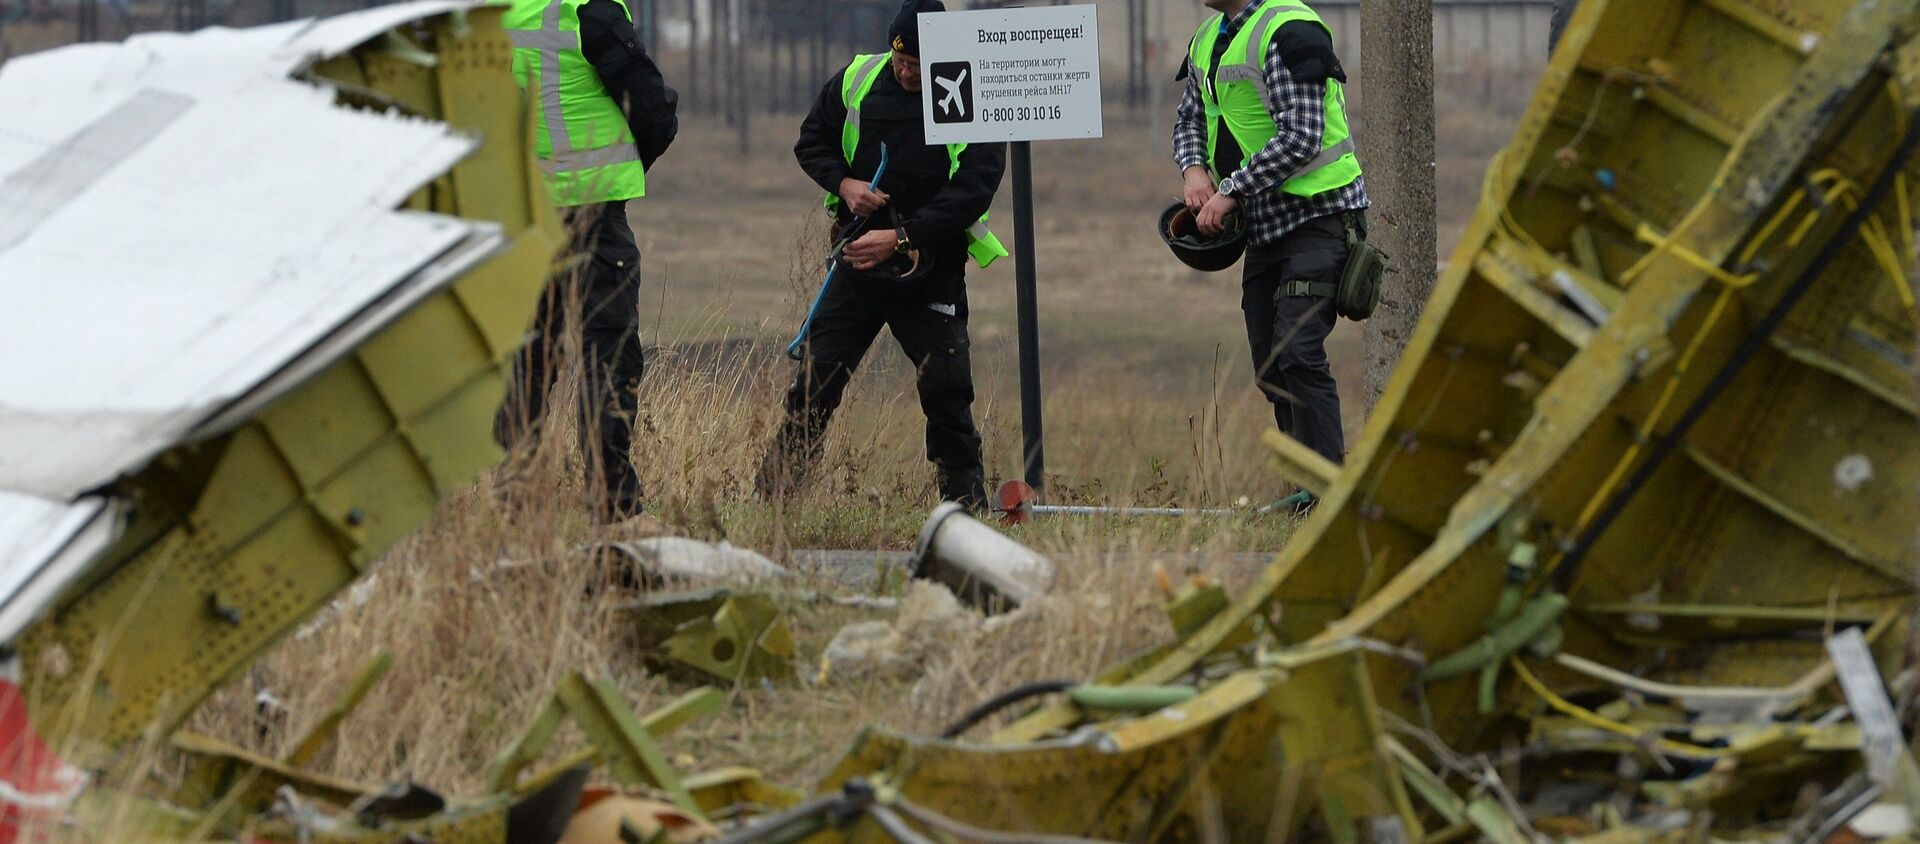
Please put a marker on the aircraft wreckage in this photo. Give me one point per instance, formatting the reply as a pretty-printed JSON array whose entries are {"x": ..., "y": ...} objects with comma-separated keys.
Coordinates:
[{"x": 1636, "y": 515}]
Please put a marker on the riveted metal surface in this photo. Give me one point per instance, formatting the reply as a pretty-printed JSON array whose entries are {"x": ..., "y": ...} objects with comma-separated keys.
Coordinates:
[
  {"x": 256, "y": 528},
  {"x": 495, "y": 176}
]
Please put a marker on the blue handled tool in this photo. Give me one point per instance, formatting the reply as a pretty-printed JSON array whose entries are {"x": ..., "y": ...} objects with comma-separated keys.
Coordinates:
[{"x": 833, "y": 263}]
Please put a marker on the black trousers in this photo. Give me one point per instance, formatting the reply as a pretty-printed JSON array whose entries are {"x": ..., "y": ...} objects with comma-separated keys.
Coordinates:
[
  {"x": 934, "y": 336},
  {"x": 596, "y": 291},
  {"x": 1288, "y": 334}
]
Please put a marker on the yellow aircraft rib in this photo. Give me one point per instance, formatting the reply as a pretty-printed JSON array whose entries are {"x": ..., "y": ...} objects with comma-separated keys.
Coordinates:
[{"x": 1679, "y": 171}]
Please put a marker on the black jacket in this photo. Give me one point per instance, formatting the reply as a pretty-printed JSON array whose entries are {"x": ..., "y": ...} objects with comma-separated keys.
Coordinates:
[
  {"x": 608, "y": 39},
  {"x": 937, "y": 208}
]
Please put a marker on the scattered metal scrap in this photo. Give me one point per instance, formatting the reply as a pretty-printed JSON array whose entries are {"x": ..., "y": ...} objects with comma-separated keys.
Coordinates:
[
  {"x": 1639, "y": 493},
  {"x": 929, "y": 621},
  {"x": 1017, "y": 503},
  {"x": 247, "y": 412},
  {"x": 262, "y": 408},
  {"x": 721, "y": 633},
  {"x": 1653, "y": 444},
  {"x": 665, "y": 561}
]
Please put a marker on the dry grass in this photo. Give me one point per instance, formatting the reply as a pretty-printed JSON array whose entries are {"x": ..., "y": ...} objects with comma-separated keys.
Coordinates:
[
  {"x": 478, "y": 646},
  {"x": 1148, "y": 399}
]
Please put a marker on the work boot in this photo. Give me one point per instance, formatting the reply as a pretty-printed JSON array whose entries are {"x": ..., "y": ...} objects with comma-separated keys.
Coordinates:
[
  {"x": 969, "y": 488},
  {"x": 782, "y": 474}
]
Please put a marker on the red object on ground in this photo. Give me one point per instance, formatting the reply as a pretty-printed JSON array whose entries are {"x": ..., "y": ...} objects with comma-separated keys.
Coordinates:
[
  {"x": 1015, "y": 504},
  {"x": 36, "y": 787}
]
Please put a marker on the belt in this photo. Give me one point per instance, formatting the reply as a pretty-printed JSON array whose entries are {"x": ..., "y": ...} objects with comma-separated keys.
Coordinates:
[
  {"x": 1350, "y": 220},
  {"x": 1317, "y": 289}
]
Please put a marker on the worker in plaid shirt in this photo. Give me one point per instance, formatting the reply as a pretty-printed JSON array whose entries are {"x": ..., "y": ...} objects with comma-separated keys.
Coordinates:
[{"x": 1262, "y": 132}]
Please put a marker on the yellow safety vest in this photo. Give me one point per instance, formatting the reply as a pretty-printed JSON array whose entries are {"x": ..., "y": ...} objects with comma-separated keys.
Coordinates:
[
  {"x": 1237, "y": 92},
  {"x": 581, "y": 139},
  {"x": 856, "y": 84}
]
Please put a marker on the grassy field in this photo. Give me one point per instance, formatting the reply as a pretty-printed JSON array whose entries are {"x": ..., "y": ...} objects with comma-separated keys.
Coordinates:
[
  {"x": 1144, "y": 362},
  {"x": 1149, "y": 400}
]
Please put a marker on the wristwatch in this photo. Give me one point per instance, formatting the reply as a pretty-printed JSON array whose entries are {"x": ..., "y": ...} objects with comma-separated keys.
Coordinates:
[
  {"x": 1227, "y": 187},
  {"x": 901, "y": 245}
]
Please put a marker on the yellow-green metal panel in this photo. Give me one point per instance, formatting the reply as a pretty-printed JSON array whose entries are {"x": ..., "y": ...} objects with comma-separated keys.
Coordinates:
[
  {"x": 412, "y": 364},
  {"x": 1690, "y": 126},
  {"x": 490, "y": 294},
  {"x": 243, "y": 536},
  {"x": 495, "y": 177},
  {"x": 322, "y": 427}
]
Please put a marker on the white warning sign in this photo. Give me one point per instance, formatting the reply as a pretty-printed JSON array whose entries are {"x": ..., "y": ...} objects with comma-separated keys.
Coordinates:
[{"x": 1011, "y": 74}]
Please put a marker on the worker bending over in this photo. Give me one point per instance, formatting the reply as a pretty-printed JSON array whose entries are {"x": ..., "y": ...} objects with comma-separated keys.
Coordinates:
[{"x": 907, "y": 243}]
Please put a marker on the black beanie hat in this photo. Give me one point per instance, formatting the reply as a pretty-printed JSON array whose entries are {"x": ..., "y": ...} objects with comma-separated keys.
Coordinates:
[{"x": 905, "y": 32}]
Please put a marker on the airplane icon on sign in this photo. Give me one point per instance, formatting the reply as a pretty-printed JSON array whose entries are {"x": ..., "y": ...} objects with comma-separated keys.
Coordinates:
[
  {"x": 956, "y": 106},
  {"x": 952, "y": 102}
]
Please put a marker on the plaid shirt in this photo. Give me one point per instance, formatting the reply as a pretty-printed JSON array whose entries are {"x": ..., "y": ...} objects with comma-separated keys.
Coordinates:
[{"x": 1299, "y": 110}]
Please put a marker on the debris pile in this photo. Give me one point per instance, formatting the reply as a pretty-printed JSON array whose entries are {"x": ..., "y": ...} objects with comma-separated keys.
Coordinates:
[
  {"x": 1624, "y": 556},
  {"x": 929, "y": 621}
]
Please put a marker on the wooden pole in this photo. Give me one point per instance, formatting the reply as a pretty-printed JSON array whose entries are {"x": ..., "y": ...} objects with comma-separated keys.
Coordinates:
[
  {"x": 724, "y": 56},
  {"x": 1396, "y": 150},
  {"x": 653, "y": 29}
]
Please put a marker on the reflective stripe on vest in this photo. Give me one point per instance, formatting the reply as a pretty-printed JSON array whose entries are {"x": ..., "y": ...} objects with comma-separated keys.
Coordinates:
[
  {"x": 1237, "y": 93},
  {"x": 856, "y": 83},
  {"x": 859, "y": 77},
  {"x": 585, "y": 150}
]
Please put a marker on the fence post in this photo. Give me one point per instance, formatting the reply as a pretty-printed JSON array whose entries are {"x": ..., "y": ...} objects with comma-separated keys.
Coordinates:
[
  {"x": 651, "y": 11},
  {"x": 87, "y": 20},
  {"x": 796, "y": 87},
  {"x": 717, "y": 90},
  {"x": 1486, "y": 42},
  {"x": 743, "y": 89},
  {"x": 693, "y": 54}
]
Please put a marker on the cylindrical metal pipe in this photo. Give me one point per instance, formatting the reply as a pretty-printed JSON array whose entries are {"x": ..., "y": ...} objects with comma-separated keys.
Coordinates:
[
  {"x": 983, "y": 566},
  {"x": 1079, "y": 510}
]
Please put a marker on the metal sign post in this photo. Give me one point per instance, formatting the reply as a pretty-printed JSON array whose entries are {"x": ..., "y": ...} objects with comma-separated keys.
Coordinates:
[
  {"x": 1015, "y": 76},
  {"x": 1027, "y": 307}
]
